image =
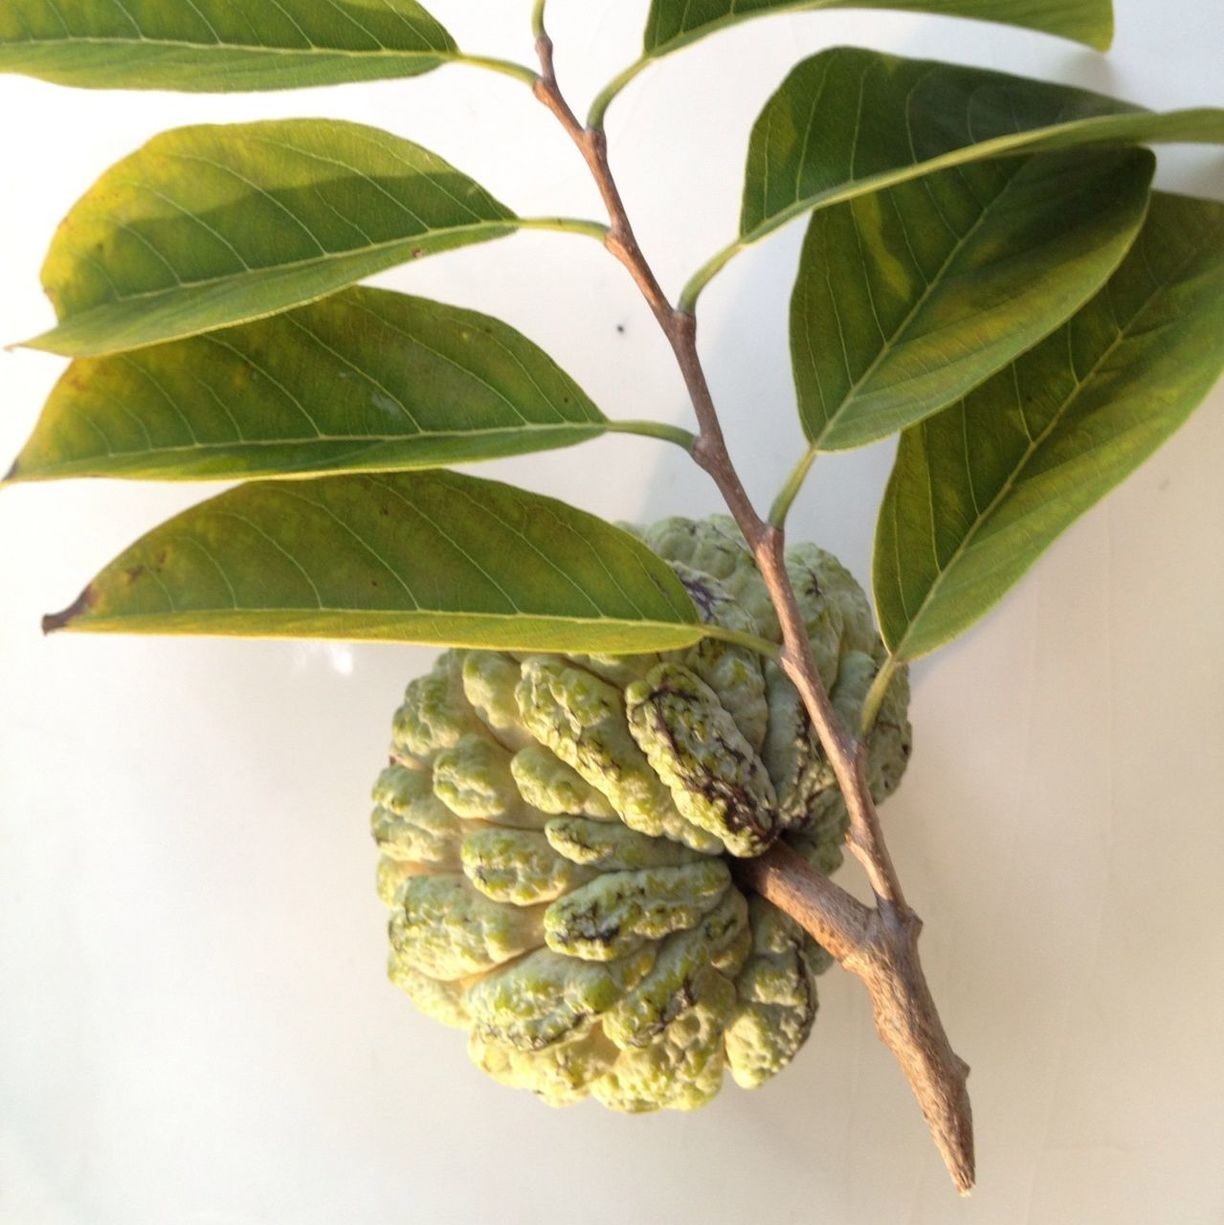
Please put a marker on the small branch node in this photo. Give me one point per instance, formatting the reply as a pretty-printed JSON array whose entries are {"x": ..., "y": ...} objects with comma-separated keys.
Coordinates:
[{"x": 706, "y": 452}]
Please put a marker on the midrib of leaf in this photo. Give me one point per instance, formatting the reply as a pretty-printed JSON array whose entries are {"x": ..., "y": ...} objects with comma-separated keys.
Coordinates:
[
  {"x": 890, "y": 343},
  {"x": 980, "y": 151},
  {"x": 81, "y": 321},
  {"x": 685, "y": 633},
  {"x": 312, "y": 49},
  {"x": 310, "y": 261},
  {"x": 614, "y": 606},
  {"x": 360, "y": 441},
  {"x": 1034, "y": 446},
  {"x": 130, "y": 623},
  {"x": 999, "y": 146}
]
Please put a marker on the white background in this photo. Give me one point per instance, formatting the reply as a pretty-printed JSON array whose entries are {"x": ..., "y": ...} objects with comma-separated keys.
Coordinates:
[{"x": 195, "y": 1025}]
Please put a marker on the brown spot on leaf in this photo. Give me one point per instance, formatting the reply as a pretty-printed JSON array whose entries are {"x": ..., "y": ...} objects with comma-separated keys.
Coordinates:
[{"x": 74, "y": 378}]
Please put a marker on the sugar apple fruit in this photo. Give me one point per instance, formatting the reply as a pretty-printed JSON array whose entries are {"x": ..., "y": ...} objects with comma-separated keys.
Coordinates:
[{"x": 557, "y": 835}]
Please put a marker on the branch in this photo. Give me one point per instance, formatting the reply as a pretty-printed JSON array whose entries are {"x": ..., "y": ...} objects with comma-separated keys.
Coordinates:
[{"x": 878, "y": 944}]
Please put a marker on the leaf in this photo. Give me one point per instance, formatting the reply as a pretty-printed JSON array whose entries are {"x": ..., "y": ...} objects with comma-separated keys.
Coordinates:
[
  {"x": 210, "y": 226},
  {"x": 847, "y": 122},
  {"x": 979, "y": 491},
  {"x": 365, "y": 379},
  {"x": 427, "y": 557},
  {"x": 908, "y": 298},
  {"x": 219, "y": 45},
  {"x": 673, "y": 24}
]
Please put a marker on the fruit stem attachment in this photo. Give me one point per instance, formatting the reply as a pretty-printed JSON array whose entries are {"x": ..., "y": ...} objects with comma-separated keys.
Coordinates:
[{"x": 879, "y": 944}]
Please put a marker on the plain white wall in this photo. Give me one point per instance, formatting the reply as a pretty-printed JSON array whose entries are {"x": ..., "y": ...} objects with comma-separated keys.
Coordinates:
[{"x": 195, "y": 1025}]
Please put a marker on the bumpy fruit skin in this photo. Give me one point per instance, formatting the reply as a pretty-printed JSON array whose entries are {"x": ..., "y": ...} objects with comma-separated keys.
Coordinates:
[{"x": 556, "y": 835}]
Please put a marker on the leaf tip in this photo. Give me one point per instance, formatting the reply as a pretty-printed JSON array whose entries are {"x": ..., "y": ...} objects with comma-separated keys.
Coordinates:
[
  {"x": 39, "y": 343},
  {"x": 51, "y": 341},
  {"x": 54, "y": 622}
]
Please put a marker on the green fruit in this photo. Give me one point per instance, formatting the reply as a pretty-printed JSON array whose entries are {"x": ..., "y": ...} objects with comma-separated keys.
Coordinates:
[{"x": 558, "y": 834}]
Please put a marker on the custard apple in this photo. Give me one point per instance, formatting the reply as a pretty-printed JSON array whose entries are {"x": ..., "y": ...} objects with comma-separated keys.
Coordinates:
[{"x": 557, "y": 835}]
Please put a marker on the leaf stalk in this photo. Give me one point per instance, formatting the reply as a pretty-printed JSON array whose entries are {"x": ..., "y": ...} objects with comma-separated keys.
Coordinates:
[
  {"x": 876, "y": 694},
  {"x": 706, "y": 273},
  {"x": 606, "y": 96},
  {"x": 565, "y": 225},
  {"x": 519, "y": 72},
  {"x": 790, "y": 491},
  {"x": 683, "y": 438}
]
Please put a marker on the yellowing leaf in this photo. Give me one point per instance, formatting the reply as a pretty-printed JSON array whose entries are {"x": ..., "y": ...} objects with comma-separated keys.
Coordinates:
[
  {"x": 909, "y": 297},
  {"x": 206, "y": 227}
]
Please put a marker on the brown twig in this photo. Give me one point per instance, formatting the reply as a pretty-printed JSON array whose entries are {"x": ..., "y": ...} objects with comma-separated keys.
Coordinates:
[{"x": 878, "y": 944}]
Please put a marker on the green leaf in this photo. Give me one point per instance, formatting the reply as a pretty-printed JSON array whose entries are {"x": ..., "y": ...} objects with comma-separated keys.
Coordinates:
[
  {"x": 979, "y": 491},
  {"x": 847, "y": 122},
  {"x": 908, "y": 298},
  {"x": 365, "y": 379},
  {"x": 211, "y": 226},
  {"x": 427, "y": 557},
  {"x": 219, "y": 45},
  {"x": 673, "y": 24}
]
